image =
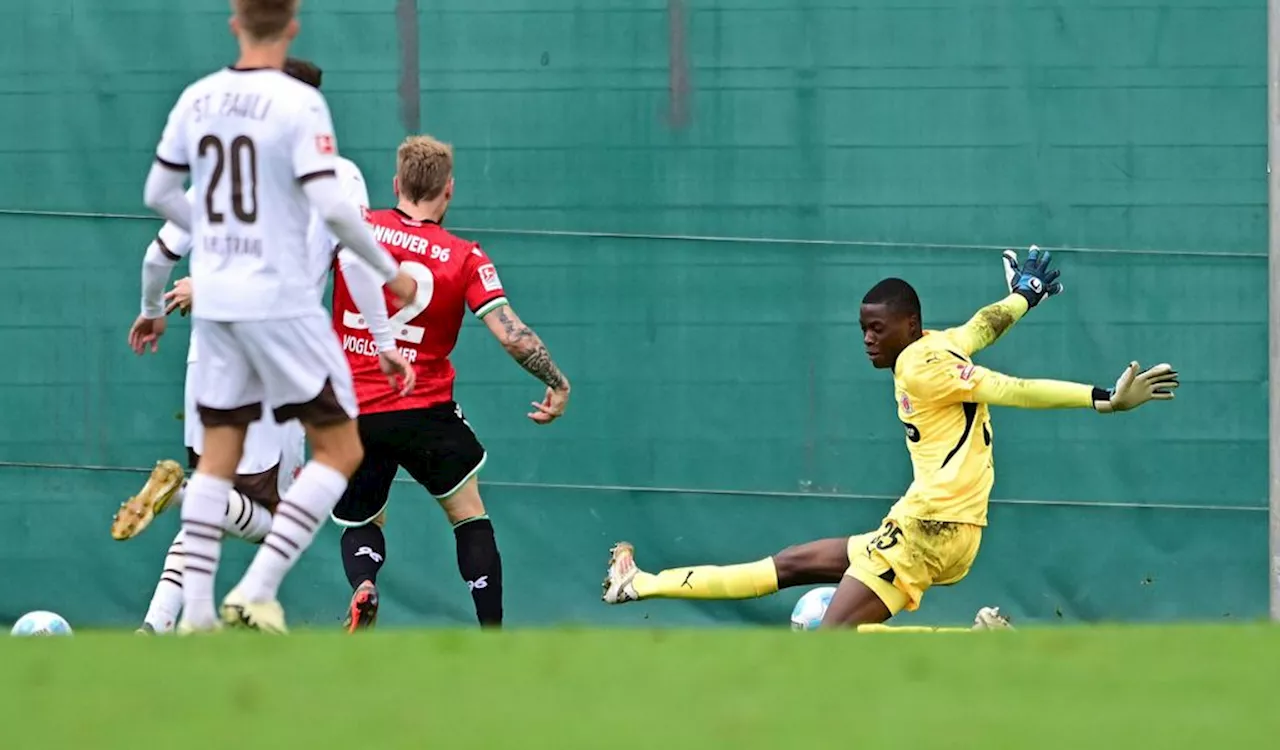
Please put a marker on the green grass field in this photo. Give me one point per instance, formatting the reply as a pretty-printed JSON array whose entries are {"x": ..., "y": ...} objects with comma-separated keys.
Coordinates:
[{"x": 1170, "y": 687}]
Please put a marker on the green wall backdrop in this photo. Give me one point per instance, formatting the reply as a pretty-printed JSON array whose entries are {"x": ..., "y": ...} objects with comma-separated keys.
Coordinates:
[{"x": 699, "y": 283}]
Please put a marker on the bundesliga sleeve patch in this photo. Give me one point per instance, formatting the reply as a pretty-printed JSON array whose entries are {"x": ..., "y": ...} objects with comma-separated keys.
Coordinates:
[
  {"x": 324, "y": 144},
  {"x": 966, "y": 371},
  {"x": 489, "y": 278}
]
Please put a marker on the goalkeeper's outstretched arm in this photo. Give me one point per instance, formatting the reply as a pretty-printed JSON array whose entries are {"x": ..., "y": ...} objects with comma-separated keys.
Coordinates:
[
  {"x": 989, "y": 324},
  {"x": 1028, "y": 286},
  {"x": 1132, "y": 390}
]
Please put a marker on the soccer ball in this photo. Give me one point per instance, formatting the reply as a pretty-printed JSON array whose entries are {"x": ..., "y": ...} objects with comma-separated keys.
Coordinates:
[
  {"x": 808, "y": 612},
  {"x": 41, "y": 622}
]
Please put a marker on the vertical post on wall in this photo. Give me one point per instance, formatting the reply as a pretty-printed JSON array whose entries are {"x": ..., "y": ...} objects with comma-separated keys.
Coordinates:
[
  {"x": 677, "y": 65},
  {"x": 409, "y": 86},
  {"x": 1273, "y": 301}
]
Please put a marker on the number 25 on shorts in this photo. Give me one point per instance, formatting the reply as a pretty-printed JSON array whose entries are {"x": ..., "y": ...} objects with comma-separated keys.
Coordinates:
[{"x": 888, "y": 537}]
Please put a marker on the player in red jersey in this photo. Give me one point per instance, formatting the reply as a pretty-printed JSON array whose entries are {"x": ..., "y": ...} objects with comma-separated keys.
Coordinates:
[{"x": 426, "y": 432}]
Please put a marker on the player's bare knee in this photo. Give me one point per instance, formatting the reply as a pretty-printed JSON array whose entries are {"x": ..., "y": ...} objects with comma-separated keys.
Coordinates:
[
  {"x": 344, "y": 459},
  {"x": 380, "y": 520},
  {"x": 336, "y": 446},
  {"x": 223, "y": 445},
  {"x": 464, "y": 503}
]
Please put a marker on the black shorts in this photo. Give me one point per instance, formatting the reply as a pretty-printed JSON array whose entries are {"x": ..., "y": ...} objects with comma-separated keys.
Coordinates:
[{"x": 435, "y": 445}]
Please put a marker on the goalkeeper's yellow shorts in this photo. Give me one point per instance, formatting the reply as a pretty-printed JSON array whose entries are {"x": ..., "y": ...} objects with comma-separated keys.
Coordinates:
[{"x": 906, "y": 555}]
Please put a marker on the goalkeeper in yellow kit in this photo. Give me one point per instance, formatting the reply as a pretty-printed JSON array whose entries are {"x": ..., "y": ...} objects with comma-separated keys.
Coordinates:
[{"x": 930, "y": 537}]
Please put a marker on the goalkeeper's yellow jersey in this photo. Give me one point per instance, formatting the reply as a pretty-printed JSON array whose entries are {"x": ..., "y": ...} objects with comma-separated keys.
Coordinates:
[{"x": 948, "y": 434}]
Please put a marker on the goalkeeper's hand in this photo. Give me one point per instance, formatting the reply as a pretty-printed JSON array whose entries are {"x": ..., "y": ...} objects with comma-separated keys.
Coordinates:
[
  {"x": 1134, "y": 388},
  {"x": 1033, "y": 280}
]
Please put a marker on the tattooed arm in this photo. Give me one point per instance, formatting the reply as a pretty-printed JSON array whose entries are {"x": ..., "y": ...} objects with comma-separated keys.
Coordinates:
[
  {"x": 527, "y": 349},
  {"x": 989, "y": 324}
]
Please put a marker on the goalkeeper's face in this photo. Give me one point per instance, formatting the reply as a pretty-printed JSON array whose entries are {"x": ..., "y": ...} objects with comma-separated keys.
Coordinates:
[{"x": 885, "y": 333}]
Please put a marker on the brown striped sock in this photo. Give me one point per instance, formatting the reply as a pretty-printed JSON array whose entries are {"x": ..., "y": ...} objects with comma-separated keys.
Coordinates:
[
  {"x": 203, "y": 508},
  {"x": 301, "y": 513}
]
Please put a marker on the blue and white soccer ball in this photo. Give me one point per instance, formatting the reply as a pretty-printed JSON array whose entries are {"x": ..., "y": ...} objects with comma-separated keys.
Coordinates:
[
  {"x": 41, "y": 622},
  {"x": 808, "y": 612}
]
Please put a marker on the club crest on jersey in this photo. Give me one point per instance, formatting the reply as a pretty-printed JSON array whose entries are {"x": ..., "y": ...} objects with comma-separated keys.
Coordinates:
[
  {"x": 966, "y": 371},
  {"x": 489, "y": 278},
  {"x": 905, "y": 403},
  {"x": 324, "y": 144}
]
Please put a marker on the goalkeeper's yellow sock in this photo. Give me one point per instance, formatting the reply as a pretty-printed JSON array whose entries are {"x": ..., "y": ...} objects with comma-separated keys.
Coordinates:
[
  {"x": 745, "y": 581},
  {"x": 881, "y": 628}
]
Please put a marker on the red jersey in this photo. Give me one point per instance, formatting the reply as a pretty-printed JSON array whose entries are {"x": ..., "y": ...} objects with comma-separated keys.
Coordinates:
[{"x": 452, "y": 273}]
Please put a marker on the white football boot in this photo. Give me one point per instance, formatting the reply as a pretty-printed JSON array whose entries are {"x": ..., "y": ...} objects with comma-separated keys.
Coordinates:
[
  {"x": 186, "y": 628},
  {"x": 989, "y": 618},
  {"x": 265, "y": 617},
  {"x": 622, "y": 571}
]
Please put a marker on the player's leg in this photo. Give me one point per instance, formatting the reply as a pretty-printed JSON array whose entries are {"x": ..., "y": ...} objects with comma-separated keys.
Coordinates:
[
  {"x": 272, "y": 454},
  {"x": 360, "y": 511},
  {"x": 166, "y": 486},
  {"x": 364, "y": 551},
  {"x": 479, "y": 561},
  {"x": 245, "y": 518},
  {"x": 251, "y": 504},
  {"x": 166, "y": 602},
  {"x": 228, "y": 400},
  {"x": 856, "y": 603},
  {"x": 297, "y": 520},
  {"x": 249, "y": 508},
  {"x": 891, "y": 569},
  {"x": 443, "y": 454},
  {"x": 306, "y": 377},
  {"x": 822, "y": 561}
]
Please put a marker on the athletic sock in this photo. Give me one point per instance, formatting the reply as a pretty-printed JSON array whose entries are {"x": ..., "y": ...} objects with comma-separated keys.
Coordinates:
[
  {"x": 203, "y": 509},
  {"x": 481, "y": 567},
  {"x": 297, "y": 520},
  {"x": 246, "y": 519},
  {"x": 364, "y": 549},
  {"x": 745, "y": 581},
  {"x": 166, "y": 602}
]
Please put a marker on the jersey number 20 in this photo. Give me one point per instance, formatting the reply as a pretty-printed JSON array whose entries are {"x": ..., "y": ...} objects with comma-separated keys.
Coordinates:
[
  {"x": 400, "y": 322},
  {"x": 244, "y": 177}
]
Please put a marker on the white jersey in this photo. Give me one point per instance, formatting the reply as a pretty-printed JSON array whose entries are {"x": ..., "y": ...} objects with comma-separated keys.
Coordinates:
[
  {"x": 176, "y": 243},
  {"x": 251, "y": 139}
]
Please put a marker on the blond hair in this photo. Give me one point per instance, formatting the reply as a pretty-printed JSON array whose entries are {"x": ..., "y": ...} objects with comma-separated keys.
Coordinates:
[
  {"x": 423, "y": 167},
  {"x": 264, "y": 20}
]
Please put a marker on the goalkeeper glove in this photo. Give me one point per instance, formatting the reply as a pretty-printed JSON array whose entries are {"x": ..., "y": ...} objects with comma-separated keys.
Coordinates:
[
  {"x": 1033, "y": 280},
  {"x": 1134, "y": 388}
]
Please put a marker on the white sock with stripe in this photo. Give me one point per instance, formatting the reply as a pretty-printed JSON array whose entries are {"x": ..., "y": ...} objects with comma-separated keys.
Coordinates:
[
  {"x": 166, "y": 602},
  {"x": 246, "y": 519},
  {"x": 203, "y": 512}
]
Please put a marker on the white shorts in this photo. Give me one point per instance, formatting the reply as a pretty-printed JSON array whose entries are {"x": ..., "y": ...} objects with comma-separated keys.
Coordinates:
[
  {"x": 294, "y": 367},
  {"x": 266, "y": 443}
]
